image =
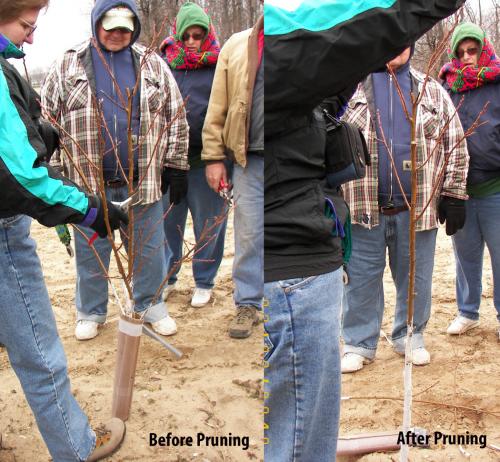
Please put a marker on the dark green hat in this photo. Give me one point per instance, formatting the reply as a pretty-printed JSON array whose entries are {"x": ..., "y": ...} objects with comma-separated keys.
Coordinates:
[
  {"x": 466, "y": 30},
  {"x": 191, "y": 14}
]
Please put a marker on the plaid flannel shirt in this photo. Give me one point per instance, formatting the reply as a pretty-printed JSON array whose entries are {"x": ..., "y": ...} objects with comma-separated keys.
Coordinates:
[
  {"x": 67, "y": 96},
  {"x": 435, "y": 109}
]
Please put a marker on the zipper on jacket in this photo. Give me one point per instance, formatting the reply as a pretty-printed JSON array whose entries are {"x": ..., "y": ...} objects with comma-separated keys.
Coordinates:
[
  {"x": 391, "y": 127},
  {"x": 115, "y": 120}
]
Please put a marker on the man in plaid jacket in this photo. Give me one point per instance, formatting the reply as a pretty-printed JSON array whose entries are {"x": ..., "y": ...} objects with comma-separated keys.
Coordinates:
[
  {"x": 379, "y": 204},
  {"x": 86, "y": 93}
]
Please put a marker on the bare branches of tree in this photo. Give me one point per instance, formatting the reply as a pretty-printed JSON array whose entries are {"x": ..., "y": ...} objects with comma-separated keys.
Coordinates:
[{"x": 229, "y": 16}]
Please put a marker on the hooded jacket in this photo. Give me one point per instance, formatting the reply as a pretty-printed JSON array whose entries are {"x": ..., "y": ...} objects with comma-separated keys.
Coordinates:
[
  {"x": 68, "y": 95},
  {"x": 122, "y": 67},
  {"x": 315, "y": 50},
  {"x": 29, "y": 185}
]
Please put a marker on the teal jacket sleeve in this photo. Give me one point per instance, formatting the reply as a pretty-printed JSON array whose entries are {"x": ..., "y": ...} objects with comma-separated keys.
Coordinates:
[
  {"x": 29, "y": 185},
  {"x": 314, "y": 49}
]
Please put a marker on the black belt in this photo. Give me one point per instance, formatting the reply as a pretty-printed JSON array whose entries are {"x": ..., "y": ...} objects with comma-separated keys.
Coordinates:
[
  {"x": 117, "y": 183},
  {"x": 391, "y": 210}
]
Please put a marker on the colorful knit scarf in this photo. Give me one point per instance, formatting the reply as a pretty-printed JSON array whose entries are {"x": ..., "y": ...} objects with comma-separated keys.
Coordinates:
[
  {"x": 460, "y": 77},
  {"x": 178, "y": 57}
]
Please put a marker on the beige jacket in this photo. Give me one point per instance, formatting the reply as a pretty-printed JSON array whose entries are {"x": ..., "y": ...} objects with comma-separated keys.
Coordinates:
[{"x": 227, "y": 123}]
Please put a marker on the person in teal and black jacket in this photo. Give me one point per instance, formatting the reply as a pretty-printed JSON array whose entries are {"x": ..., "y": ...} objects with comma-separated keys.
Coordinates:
[
  {"x": 30, "y": 188},
  {"x": 313, "y": 50}
]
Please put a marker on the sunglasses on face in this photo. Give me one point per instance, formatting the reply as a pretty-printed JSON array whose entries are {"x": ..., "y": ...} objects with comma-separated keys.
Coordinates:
[
  {"x": 28, "y": 26},
  {"x": 194, "y": 35},
  {"x": 472, "y": 51}
]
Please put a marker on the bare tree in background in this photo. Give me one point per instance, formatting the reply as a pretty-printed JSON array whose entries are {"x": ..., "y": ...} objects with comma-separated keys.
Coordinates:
[{"x": 229, "y": 16}]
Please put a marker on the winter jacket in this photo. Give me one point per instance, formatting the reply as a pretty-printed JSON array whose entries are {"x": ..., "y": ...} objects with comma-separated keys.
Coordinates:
[
  {"x": 109, "y": 91},
  {"x": 435, "y": 115},
  {"x": 484, "y": 143},
  {"x": 315, "y": 50},
  {"x": 228, "y": 117},
  {"x": 29, "y": 185},
  {"x": 196, "y": 85},
  {"x": 68, "y": 95}
]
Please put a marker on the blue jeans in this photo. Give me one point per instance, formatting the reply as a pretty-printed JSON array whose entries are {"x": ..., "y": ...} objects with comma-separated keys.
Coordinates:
[
  {"x": 149, "y": 264},
  {"x": 204, "y": 205},
  {"x": 302, "y": 368},
  {"x": 248, "y": 263},
  {"x": 28, "y": 331},
  {"x": 364, "y": 294},
  {"x": 482, "y": 226}
]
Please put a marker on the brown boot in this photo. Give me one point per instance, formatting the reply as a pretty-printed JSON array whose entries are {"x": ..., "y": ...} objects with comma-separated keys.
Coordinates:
[
  {"x": 109, "y": 439},
  {"x": 241, "y": 326}
]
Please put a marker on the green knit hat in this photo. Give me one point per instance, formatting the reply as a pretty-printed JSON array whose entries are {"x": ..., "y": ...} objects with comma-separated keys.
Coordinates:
[
  {"x": 464, "y": 31},
  {"x": 191, "y": 14}
]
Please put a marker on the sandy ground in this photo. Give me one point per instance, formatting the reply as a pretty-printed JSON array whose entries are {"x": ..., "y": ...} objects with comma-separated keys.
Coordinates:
[
  {"x": 214, "y": 389},
  {"x": 464, "y": 370}
]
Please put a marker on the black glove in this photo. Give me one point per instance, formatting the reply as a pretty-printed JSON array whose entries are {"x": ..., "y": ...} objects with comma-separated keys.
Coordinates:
[
  {"x": 50, "y": 137},
  {"x": 175, "y": 180},
  {"x": 116, "y": 215},
  {"x": 452, "y": 211}
]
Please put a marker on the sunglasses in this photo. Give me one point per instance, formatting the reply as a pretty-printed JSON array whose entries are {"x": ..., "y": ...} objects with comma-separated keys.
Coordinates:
[
  {"x": 28, "y": 25},
  {"x": 194, "y": 35},
  {"x": 470, "y": 51}
]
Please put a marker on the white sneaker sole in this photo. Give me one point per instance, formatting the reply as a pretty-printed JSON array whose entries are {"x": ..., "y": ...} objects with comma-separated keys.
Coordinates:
[{"x": 464, "y": 329}]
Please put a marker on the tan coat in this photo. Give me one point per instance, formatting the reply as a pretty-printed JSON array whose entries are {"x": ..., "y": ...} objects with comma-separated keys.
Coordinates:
[{"x": 227, "y": 123}]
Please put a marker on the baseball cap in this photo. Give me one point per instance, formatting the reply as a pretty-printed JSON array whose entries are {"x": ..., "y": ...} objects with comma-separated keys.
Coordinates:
[{"x": 118, "y": 17}]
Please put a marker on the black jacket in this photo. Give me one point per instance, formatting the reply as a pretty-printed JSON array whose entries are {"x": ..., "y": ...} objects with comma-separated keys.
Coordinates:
[
  {"x": 195, "y": 85},
  {"x": 302, "y": 68},
  {"x": 484, "y": 144},
  {"x": 29, "y": 185}
]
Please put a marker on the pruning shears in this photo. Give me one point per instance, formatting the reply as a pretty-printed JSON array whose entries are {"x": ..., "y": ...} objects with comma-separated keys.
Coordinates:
[
  {"x": 124, "y": 205},
  {"x": 65, "y": 238},
  {"x": 226, "y": 192}
]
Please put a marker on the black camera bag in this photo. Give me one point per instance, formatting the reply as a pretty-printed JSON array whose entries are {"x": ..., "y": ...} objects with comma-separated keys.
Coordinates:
[{"x": 346, "y": 153}]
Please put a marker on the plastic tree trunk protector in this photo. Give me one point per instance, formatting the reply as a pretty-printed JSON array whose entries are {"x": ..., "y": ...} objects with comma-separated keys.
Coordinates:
[{"x": 129, "y": 337}]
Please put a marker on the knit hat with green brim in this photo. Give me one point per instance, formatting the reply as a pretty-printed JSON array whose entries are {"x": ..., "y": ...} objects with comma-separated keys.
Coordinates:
[
  {"x": 467, "y": 30},
  {"x": 191, "y": 14}
]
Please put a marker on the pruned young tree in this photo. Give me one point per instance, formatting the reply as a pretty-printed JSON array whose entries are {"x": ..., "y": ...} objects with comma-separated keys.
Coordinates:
[{"x": 444, "y": 31}]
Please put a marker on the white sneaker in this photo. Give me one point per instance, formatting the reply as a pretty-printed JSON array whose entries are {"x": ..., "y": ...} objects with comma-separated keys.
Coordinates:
[
  {"x": 165, "y": 326},
  {"x": 85, "y": 329},
  {"x": 420, "y": 357},
  {"x": 460, "y": 325},
  {"x": 168, "y": 290},
  {"x": 352, "y": 362},
  {"x": 201, "y": 297}
]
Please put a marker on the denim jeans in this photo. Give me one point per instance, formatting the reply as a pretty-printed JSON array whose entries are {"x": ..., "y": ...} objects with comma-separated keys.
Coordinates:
[
  {"x": 302, "y": 368},
  {"x": 28, "y": 331},
  {"x": 364, "y": 294},
  {"x": 248, "y": 263},
  {"x": 149, "y": 265},
  {"x": 482, "y": 226},
  {"x": 204, "y": 205}
]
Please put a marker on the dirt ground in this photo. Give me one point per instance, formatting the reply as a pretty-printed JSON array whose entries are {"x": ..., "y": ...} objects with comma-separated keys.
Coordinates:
[
  {"x": 214, "y": 389},
  {"x": 464, "y": 370}
]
